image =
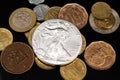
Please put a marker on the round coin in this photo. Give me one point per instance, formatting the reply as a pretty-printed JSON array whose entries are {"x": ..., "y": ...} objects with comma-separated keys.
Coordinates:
[
  {"x": 35, "y": 2},
  {"x": 101, "y": 10},
  {"x": 6, "y": 38},
  {"x": 56, "y": 42},
  {"x": 52, "y": 13},
  {"x": 75, "y": 70},
  {"x": 100, "y": 55},
  {"x": 17, "y": 58},
  {"x": 74, "y": 13},
  {"x": 22, "y": 19}
]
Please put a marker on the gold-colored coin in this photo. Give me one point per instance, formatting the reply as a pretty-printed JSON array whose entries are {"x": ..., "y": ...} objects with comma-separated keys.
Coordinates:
[
  {"x": 101, "y": 10},
  {"x": 43, "y": 65},
  {"x": 52, "y": 13},
  {"x": 26, "y": 34},
  {"x": 22, "y": 19},
  {"x": 75, "y": 70},
  {"x": 105, "y": 23},
  {"x": 6, "y": 38}
]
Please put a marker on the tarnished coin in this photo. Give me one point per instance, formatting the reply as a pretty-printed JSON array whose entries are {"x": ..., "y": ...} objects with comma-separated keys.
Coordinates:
[
  {"x": 40, "y": 11},
  {"x": 75, "y": 70},
  {"x": 17, "y": 58},
  {"x": 56, "y": 42},
  {"x": 52, "y": 13},
  {"x": 113, "y": 21},
  {"x": 101, "y": 10},
  {"x": 22, "y": 19},
  {"x": 36, "y": 2},
  {"x": 6, "y": 38},
  {"x": 100, "y": 55},
  {"x": 42, "y": 65},
  {"x": 74, "y": 13}
]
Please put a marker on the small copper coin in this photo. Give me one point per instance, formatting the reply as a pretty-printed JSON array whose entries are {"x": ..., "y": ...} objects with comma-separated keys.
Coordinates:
[
  {"x": 74, "y": 13},
  {"x": 100, "y": 55},
  {"x": 17, "y": 58}
]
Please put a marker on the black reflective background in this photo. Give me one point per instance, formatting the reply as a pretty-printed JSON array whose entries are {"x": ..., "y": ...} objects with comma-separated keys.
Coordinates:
[{"x": 35, "y": 73}]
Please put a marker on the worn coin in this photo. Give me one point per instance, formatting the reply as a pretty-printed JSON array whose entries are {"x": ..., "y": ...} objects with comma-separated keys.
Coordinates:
[
  {"x": 35, "y": 2},
  {"x": 74, "y": 13},
  {"x": 52, "y": 13},
  {"x": 100, "y": 55},
  {"x": 101, "y": 10},
  {"x": 75, "y": 70},
  {"x": 56, "y": 42},
  {"x": 17, "y": 58},
  {"x": 115, "y": 26},
  {"x": 6, "y": 38},
  {"x": 40, "y": 11},
  {"x": 22, "y": 19}
]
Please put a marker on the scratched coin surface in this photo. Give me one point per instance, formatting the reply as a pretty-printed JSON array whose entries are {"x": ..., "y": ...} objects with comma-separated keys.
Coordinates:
[
  {"x": 75, "y": 70},
  {"x": 52, "y": 13},
  {"x": 56, "y": 42},
  {"x": 17, "y": 58},
  {"x": 22, "y": 19},
  {"x": 6, "y": 38},
  {"x": 100, "y": 55},
  {"x": 74, "y": 13},
  {"x": 35, "y": 2},
  {"x": 101, "y": 10},
  {"x": 109, "y": 29},
  {"x": 40, "y": 11}
]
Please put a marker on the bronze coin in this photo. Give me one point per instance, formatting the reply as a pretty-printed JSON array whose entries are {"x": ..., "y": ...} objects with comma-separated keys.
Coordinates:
[
  {"x": 100, "y": 55},
  {"x": 17, "y": 58},
  {"x": 75, "y": 14}
]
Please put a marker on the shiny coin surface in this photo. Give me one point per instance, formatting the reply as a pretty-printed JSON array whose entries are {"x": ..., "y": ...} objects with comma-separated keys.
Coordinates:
[
  {"x": 74, "y": 13},
  {"x": 101, "y": 10},
  {"x": 36, "y": 2},
  {"x": 100, "y": 55},
  {"x": 52, "y": 13},
  {"x": 43, "y": 65},
  {"x": 22, "y": 19},
  {"x": 108, "y": 30},
  {"x": 40, "y": 11},
  {"x": 6, "y": 38},
  {"x": 56, "y": 42},
  {"x": 17, "y": 58},
  {"x": 75, "y": 70}
]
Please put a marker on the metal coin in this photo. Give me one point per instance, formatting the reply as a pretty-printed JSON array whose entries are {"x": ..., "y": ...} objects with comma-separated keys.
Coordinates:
[
  {"x": 100, "y": 55},
  {"x": 56, "y": 42},
  {"x": 52, "y": 13},
  {"x": 35, "y": 2},
  {"x": 6, "y": 38},
  {"x": 40, "y": 11},
  {"x": 101, "y": 10},
  {"x": 109, "y": 30},
  {"x": 17, "y": 58},
  {"x": 74, "y": 13},
  {"x": 75, "y": 70},
  {"x": 22, "y": 19}
]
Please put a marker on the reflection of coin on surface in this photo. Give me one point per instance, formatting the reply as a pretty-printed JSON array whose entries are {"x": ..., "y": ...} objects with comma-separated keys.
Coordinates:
[
  {"x": 100, "y": 55},
  {"x": 17, "y": 58},
  {"x": 6, "y": 38},
  {"x": 75, "y": 70},
  {"x": 22, "y": 19}
]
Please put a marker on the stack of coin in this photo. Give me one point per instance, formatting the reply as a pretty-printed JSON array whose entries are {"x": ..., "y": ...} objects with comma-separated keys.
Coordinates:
[{"x": 103, "y": 19}]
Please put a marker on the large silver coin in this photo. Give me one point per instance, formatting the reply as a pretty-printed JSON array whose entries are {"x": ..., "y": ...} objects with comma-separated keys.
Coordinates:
[
  {"x": 36, "y": 2},
  {"x": 105, "y": 31},
  {"x": 40, "y": 11},
  {"x": 56, "y": 42}
]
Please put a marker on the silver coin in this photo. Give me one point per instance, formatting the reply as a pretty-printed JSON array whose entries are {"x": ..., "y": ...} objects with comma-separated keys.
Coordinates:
[
  {"x": 40, "y": 11},
  {"x": 56, "y": 42},
  {"x": 105, "y": 31},
  {"x": 36, "y": 2}
]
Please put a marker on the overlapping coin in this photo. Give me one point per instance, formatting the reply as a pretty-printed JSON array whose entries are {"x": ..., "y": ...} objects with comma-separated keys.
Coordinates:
[
  {"x": 74, "y": 13},
  {"x": 22, "y": 19},
  {"x": 6, "y": 38},
  {"x": 100, "y": 55}
]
